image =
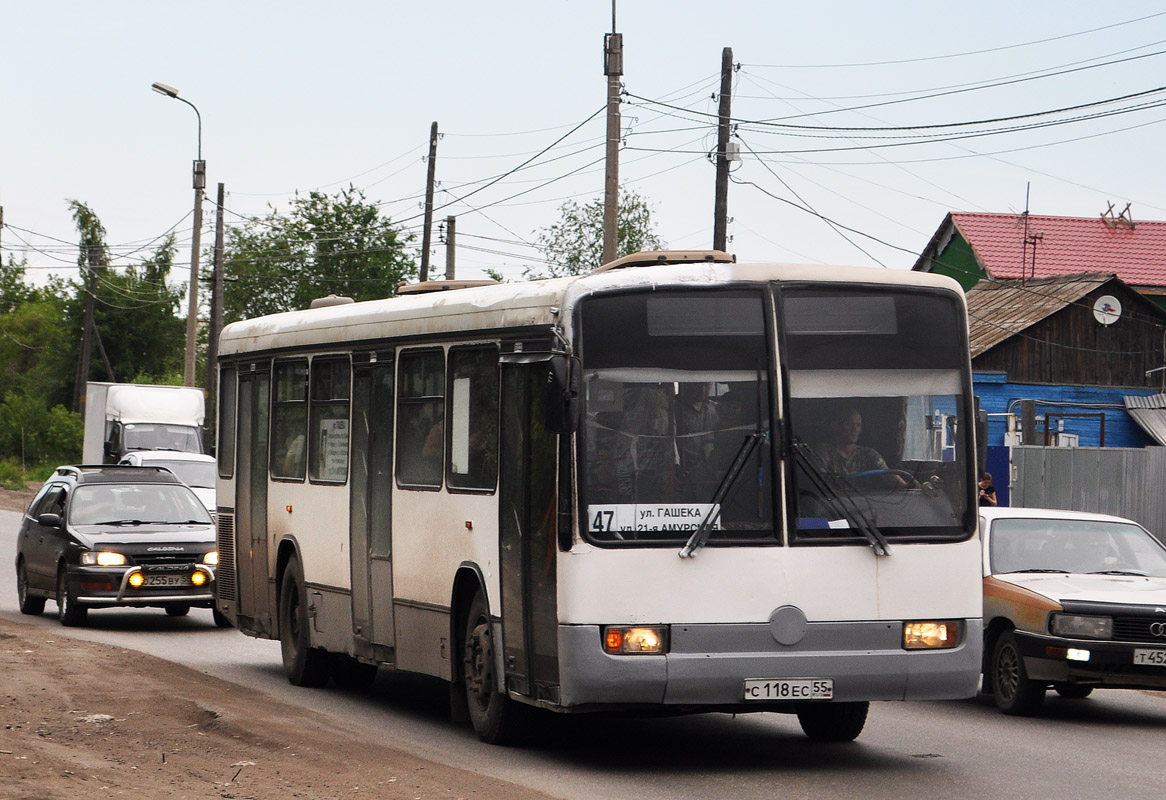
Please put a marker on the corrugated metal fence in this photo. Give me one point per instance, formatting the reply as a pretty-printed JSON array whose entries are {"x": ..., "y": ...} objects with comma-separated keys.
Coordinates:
[{"x": 1128, "y": 482}]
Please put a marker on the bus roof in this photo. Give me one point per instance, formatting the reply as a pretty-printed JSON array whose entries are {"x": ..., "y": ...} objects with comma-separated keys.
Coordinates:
[{"x": 525, "y": 305}]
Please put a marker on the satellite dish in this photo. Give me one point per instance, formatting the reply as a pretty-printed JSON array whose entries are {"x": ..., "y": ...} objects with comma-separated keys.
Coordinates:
[{"x": 1107, "y": 309}]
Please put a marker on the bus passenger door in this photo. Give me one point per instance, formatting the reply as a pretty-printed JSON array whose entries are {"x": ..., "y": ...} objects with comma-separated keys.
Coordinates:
[
  {"x": 371, "y": 497},
  {"x": 527, "y": 540},
  {"x": 256, "y": 592}
]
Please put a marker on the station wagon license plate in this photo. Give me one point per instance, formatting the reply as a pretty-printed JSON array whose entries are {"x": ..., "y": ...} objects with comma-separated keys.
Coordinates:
[
  {"x": 789, "y": 689},
  {"x": 1155, "y": 658},
  {"x": 166, "y": 580}
]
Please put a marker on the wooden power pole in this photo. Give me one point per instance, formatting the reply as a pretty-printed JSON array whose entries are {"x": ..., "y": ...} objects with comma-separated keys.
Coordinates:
[
  {"x": 450, "y": 239},
  {"x": 215, "y": 328},
  {"x": 724, "y": 113},
  {"x": 428, "y": 202}
]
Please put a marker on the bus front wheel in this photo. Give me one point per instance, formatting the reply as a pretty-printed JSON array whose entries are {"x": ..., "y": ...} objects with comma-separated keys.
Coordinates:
[
  {"x": 304, "y": 665},
  {"x": 496, "y": 718},
  {"x": 833, "y": 722}
]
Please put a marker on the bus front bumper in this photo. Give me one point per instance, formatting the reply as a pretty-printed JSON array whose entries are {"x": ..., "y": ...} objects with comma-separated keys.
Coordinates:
[{"x": 708, "y": 665}]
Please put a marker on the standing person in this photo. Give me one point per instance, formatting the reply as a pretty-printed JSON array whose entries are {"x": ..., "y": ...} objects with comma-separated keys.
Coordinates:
[{"x": 987, "y": 490}]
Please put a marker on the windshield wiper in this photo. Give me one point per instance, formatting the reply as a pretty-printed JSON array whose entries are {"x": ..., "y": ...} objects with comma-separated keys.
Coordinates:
[
  {"x": 834, "y": 493},
  {"x": 1035, "y": 569},
  {"x": 119, "y": 522},
  {"x": 1120, "y": 572},
  {"x": 701, "y": 535}
]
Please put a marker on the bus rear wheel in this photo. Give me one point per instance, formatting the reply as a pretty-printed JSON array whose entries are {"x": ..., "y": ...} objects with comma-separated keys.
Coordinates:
[
  {"x": 496, "y": 718},
  {"x": 304, "y": 665},
  {"x": 833, "y": 722}
]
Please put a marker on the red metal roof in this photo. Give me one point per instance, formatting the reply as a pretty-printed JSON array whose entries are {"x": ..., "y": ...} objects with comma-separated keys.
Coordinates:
[{"x": 1067, "y": 245}]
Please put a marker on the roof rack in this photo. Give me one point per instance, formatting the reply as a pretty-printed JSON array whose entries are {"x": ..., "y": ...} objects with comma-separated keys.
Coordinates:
[{"x": 652, "y": 258}]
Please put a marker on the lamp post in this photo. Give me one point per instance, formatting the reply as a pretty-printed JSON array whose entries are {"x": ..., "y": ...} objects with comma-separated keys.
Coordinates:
[{"x": 199, "y": 185}]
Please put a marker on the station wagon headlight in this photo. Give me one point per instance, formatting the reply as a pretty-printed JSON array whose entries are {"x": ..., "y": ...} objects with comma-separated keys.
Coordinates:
[
  {"x": 931, "y": 634},
  {"x": 637, "y": 640},
  {"x": 211, "y": 558},
  {"x": 1078, "y": 626},
  {"x": 102, "y": 558}
]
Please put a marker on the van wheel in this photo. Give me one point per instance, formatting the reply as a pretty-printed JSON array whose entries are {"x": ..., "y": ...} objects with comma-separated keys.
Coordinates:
[
  {"x": 69, "y": 611},
  {"x": 496, "y": 718},
  {"x": 28, "y": 604},
  {"x": 833, "y": 722},
  {"x": 221, "y": 619},
  {"x": 304, "y": 665}
]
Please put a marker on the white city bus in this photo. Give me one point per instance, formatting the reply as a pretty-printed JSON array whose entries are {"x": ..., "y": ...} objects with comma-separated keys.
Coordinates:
[{"x": 617, "y": 491}]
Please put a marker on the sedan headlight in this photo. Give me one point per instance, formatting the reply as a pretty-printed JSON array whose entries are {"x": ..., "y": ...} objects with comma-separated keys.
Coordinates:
[
  {"x": 1077, "y": 626},
  {"x": 211, "y": 558},
  {"x": 102, "y": 558}
]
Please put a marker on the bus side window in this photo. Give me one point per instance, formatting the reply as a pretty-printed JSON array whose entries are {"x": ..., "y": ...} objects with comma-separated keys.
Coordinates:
[
  {"x": 289, "y": 426},
  {"x": 420, "y": 418},
  {"x": 473, "y": 418},
  {"x": 329, "y": 419}
]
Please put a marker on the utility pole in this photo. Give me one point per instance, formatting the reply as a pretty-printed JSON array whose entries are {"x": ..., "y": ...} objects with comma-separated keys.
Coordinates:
[
  {"x": 613, "y": 69},
  {"x": 215, "y": 328},
  {"x": 721, "y": 206},
  {"x": 192, "y": 305},
  {"x": 428, "y": 202},
  {"x": 450, "y": 236},
  {"x": 92, "y": 258}
]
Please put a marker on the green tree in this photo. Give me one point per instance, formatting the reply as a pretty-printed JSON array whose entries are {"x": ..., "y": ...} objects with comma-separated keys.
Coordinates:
[
  {"x": 325, "y": 244},
  {"x": 13, "y": 289},
  {"x": 574, "y": 244}
]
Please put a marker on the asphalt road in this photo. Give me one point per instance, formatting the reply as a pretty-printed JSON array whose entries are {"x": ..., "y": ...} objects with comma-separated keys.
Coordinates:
[{"x": 1107, "y": 745}]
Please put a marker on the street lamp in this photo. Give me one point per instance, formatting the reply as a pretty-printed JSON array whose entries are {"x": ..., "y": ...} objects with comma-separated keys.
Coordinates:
[{"x": 199, "y": 185}]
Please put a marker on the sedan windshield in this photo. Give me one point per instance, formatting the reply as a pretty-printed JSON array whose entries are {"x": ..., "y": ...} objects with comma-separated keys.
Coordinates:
[
  {"x": 1074, "y": 546},
  {"x": 142, "y": 503}
]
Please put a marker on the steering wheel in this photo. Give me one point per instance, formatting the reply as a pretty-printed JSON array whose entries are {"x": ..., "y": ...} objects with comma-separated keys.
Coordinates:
[{"x": 881, "y": 479}]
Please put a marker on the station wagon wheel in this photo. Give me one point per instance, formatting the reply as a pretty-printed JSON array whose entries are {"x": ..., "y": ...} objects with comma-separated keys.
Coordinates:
[
  {"x": 304, "y": 665},
  {"x": 177, "y": 611},
  {"x": 496, "y": 718},
  {"x": 69, "y": 611},
  {"x": 28, "y": 604},
  {"x": 833, "y": 722},
  {"x": 1016, "y": 694},
  {"x": 1073, "y": 691}
]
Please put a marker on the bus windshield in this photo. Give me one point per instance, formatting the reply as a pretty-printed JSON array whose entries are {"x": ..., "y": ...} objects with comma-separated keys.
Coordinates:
[
  {"x": 881, "y": 432},
  {"x": 674, "y": 384}
]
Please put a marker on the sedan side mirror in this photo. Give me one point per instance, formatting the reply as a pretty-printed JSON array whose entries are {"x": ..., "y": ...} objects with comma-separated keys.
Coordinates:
[{"x": 50, "y": 520}]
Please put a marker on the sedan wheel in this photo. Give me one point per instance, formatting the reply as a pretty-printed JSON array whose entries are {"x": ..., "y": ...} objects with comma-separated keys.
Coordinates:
[
  {"x": 69, "y": 611},
  {"x": 28, "y": 604},
  {"x": 1015, "y": 693}
]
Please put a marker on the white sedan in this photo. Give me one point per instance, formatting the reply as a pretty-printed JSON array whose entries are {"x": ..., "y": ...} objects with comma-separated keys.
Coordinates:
[
  {"x": 196, "y": 470},
  {"x": 1072, "y": 601}
]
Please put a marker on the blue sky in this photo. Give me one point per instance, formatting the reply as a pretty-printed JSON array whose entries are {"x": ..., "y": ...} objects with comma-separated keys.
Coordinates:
[{"x": 298, "y": 96}]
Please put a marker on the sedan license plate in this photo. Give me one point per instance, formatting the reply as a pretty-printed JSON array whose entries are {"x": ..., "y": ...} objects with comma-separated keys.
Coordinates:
[
  {"x": 166, "y": 580},
  {"x": 790, "y": 689},
  {"x": 1155, "y": 658}
]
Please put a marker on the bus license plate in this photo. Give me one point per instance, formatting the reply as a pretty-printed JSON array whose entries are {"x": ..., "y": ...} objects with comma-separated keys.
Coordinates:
[
  {"x": 790, "y": 689},
  {"x": 1155, "y": 658},
  {"x": 166, "y": 580}
]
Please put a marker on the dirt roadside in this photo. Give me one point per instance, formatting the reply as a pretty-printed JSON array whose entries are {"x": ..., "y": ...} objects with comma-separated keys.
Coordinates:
[{"x": 85, "y": 720}]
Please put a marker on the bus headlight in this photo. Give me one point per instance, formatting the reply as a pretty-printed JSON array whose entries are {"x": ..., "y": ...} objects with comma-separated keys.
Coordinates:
[
  {"x": 931, "y": 634},
  {"x": 620, "y": 640},
  {"x": 102, "y": 558}
]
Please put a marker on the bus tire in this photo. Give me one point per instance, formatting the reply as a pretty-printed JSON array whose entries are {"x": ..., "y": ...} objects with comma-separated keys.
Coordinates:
[
  {"x": 1015, "y": 693},
  {"x": 496, "y": 718},
  {"x": 833, "y": 722},
  {"x": 304, "y": 665}
]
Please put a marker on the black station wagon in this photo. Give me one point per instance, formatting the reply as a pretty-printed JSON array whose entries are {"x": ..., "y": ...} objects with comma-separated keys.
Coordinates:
[{"x": 102, "y": 536}]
